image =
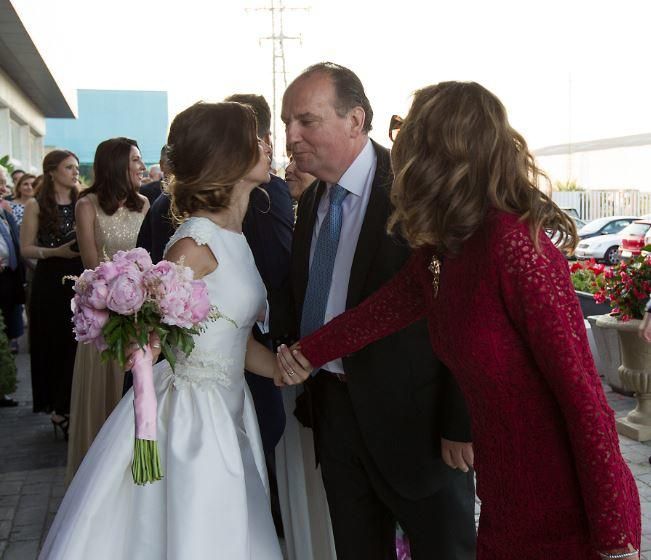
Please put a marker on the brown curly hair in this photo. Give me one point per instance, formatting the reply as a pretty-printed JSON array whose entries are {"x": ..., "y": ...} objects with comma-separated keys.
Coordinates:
[
  {"x": 211, "y": 146},
  {"x": 457, "y": 156}
]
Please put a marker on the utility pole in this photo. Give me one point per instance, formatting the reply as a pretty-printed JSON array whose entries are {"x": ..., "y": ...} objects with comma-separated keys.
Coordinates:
[{"x": 277, "y": 8}]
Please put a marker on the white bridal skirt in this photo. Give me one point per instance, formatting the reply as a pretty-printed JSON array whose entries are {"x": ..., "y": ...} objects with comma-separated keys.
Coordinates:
[{"x": 212, "y": 502}]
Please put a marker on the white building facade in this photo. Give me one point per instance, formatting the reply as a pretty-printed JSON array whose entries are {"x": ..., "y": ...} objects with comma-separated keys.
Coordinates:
[
  {"x": 622, "y": 163},
  {"x": 28, "y": 94}
]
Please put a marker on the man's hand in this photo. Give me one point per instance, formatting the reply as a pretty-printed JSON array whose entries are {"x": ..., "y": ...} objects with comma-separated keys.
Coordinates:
[
  {"x": 645, "y": 328},
  {"x": 294, "y": 366},
  {"x": 457, "y": 454}
]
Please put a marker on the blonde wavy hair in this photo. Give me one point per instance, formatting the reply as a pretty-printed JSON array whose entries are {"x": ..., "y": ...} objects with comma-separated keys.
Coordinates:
[
  {"x": 210, "y": 147},
  {"x": 455, "y": 157}
]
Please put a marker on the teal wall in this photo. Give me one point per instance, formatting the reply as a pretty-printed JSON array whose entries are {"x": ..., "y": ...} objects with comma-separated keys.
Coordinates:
[{"x": 103, "y": 114}]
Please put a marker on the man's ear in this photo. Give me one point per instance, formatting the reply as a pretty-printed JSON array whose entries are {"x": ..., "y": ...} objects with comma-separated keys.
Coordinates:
[{"x": 357, "y": 117}]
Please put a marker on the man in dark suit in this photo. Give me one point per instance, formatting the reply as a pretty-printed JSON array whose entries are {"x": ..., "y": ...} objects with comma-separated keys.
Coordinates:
[
  {"x": 12, "y": 277},
  {"x": 153, "y": 189},
  {"x": 384, "y": 417},
  {"x": 268, "y": 226}
]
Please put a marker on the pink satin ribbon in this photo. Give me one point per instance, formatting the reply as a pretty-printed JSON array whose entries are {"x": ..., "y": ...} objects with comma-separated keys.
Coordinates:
[{"x": 144, "y": 394}]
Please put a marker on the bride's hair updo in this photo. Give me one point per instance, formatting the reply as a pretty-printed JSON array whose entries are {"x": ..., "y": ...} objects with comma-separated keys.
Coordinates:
[{"x": 210, "y": 147}]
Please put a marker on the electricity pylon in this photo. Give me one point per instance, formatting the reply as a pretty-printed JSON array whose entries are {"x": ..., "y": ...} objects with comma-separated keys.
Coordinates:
[{"x": 279, "y": 65}]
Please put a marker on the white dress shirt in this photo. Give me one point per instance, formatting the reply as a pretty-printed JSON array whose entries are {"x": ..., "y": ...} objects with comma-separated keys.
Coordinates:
[{"x": 357, "y": 180}]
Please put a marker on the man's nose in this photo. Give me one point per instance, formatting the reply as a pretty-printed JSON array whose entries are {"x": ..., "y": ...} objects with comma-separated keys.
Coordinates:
[{"x": 291, "y": 133}]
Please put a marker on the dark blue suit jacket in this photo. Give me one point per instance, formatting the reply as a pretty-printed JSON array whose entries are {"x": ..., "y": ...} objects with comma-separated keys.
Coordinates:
[
  {"x": 268, "y": 226},
  {"x": 15, "y": 237},
  {"x": 13, "y": 292},
  {"x": 151, "y": 190}
]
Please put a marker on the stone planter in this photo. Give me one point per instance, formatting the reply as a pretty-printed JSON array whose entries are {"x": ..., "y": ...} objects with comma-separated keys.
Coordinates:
[
  {"x": 635, "y": 373},
  {"x": 589, "y": 306},
  {"x": 607, "y": 355}
]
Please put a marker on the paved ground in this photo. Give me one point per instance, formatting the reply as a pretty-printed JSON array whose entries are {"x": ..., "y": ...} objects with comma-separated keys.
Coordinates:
[
  {"x": 32, "y": 469},
  {"x": 31, "y": 473}
]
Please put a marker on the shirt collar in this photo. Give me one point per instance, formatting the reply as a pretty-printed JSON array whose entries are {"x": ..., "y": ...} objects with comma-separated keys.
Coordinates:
[{"x": 354, "y": 179}]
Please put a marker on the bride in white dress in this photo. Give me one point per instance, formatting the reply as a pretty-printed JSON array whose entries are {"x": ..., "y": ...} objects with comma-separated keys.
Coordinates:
[{"x": 213, "y": 500}]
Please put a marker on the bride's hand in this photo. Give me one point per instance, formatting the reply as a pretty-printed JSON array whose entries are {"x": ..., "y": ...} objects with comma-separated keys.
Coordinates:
[
  {"x": 294, "y": 366},
  {"x": 278, "y": 374},
  {"x": 154, "y": 344}
]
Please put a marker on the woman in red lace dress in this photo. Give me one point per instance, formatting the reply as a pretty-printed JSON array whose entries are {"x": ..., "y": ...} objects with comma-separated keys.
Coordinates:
[{"x": 504, "y": 318}]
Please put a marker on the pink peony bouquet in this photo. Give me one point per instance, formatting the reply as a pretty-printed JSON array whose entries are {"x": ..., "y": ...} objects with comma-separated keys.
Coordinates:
[{"x": 121, "y": 302}]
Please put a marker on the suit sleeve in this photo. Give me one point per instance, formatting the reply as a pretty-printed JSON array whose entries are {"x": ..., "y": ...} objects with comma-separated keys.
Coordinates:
[
  {"x": 268, "y": 227},
  {"x": 144, "y": 235},
  {"x": 539, "y": 297},
  {"x": 455, "y": 420},
  {"x": 161, "y": 227},
  {"x": 396, "y": 305}
]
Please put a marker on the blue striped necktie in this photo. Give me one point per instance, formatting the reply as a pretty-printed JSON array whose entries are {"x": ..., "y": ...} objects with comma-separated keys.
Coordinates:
[{"x": 323, "y": 262}]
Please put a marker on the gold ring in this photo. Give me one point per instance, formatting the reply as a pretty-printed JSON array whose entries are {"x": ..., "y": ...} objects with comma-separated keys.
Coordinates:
[{"x": 156, "y": 345}]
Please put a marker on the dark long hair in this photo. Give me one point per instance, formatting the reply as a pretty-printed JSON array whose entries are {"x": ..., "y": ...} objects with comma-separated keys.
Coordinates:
[
  {"x": 111, "y": 182},
  {"x": 48, "y": 216},
  {"x": 455, "y": 157}
]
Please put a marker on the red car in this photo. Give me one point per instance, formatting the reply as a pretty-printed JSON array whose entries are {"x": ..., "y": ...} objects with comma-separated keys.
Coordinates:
[{"x": 633, "y": 239}]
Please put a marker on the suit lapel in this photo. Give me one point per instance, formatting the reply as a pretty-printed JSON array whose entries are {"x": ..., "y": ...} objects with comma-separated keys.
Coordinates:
[{"x": 373, "y": 227}]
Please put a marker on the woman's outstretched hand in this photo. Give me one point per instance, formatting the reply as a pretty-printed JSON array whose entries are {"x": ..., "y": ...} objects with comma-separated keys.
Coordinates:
[{"x": 293, "y": 367}]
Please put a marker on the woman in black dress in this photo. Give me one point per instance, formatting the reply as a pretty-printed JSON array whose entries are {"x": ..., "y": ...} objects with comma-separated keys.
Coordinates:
[{"x": 47, "y": 234}]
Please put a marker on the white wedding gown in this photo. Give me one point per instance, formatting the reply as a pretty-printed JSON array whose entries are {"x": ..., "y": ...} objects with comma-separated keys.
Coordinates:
[{"x": 213, "y": 500}]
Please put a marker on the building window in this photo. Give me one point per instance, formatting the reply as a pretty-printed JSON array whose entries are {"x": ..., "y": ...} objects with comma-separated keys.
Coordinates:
[
  {"x": 36, "y": 152},
  {"x": 16, "y": 144}
]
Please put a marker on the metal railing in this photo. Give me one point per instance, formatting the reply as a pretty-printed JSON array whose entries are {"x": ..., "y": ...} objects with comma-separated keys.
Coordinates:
[{"x": 599, "y": 204}]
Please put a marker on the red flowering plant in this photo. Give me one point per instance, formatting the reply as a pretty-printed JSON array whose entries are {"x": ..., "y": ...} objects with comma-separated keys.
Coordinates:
[
  {"x": 587, "y": 276},
  {"x": 626, "y": 287}
]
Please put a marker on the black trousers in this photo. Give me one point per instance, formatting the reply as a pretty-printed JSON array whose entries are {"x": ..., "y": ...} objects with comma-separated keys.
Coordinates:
[
  {"x": 364, "y": 508},
  {"x": 7, "y": 300}
]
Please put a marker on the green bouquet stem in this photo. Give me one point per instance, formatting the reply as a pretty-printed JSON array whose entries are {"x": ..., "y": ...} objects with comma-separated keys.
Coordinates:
[{"x": 146, "y": 465}]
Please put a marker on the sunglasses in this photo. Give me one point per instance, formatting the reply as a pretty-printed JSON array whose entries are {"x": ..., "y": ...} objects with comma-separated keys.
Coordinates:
[{"x": 394, "y": 126}]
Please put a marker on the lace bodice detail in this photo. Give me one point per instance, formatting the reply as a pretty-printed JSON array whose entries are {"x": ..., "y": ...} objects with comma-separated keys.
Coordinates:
[
  {"x": 507, "y": 323},
  {"x": 117, "y": 232},
  {"x": 236, "y": 289}
]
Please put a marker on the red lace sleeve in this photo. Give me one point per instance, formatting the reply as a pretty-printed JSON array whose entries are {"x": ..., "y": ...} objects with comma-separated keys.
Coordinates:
[
  {"x": 541, "y": 301},
  {"x": 396, "y": 305}
]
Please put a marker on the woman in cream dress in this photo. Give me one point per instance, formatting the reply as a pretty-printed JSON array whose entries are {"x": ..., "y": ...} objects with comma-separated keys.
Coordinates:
[{"x": 108, "y": 215}]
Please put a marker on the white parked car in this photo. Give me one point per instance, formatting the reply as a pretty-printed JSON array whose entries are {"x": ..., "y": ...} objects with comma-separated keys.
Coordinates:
[
  {"x": 647, "y": 241},
  {"x": 601, "y": 248},
  {"x": 604, "y": 226}
]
